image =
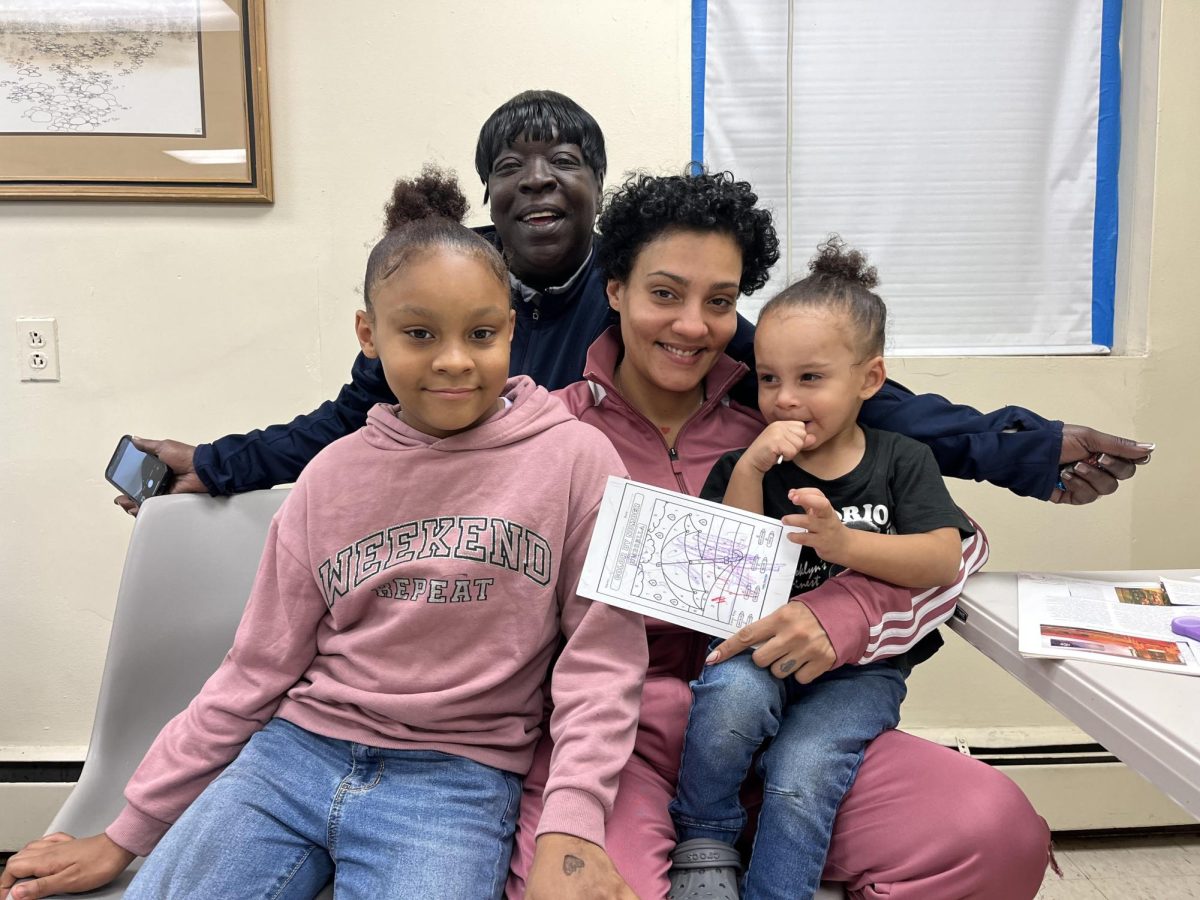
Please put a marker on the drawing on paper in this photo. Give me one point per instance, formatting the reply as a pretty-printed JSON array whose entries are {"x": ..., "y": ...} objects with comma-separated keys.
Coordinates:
[
  {"x": 680, "y": 559},
  {"x": 133, "y": 69},
  {"x": 699, "y": 562}
]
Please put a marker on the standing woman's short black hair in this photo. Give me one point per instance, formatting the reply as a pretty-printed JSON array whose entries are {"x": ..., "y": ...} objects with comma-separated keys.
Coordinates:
[
  {"x": 647, "y": 206},
  {"x": 423, "y": 213},
  {"x": 540, "y": 116}
]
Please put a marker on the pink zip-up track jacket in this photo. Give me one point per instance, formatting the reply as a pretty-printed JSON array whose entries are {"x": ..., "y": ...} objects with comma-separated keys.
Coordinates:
[
  {"x": 412, "y": 594},
  {"x": 865, "y": 620}
]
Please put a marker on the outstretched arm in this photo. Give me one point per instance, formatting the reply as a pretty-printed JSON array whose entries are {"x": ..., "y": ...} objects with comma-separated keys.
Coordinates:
[
  {"x": 1011, "y": 447},
  {"x": 276, "y": 455}
]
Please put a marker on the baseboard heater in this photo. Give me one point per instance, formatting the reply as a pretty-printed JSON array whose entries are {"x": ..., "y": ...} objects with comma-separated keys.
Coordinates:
[{"x": 1083, "y": 787}]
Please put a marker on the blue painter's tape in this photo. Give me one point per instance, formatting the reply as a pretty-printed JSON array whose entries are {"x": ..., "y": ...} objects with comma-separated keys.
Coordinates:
[
  {"x": 1108, "y": 150},
  {"x": 699, "y": 48}
]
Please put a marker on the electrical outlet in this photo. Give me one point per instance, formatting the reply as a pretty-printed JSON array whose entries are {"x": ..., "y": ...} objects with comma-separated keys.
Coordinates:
[{"x": 37, "y": 348}]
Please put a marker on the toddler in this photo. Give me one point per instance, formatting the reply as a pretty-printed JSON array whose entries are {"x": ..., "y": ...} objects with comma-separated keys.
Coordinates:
[{"x": 871, "y": 501}]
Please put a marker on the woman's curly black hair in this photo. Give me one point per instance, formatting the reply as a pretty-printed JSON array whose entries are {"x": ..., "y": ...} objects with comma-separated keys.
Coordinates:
[{"x": 646, "y": 206}]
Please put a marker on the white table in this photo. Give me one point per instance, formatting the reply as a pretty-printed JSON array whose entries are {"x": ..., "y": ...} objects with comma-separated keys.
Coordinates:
[{"x": 1148, "y": 720}]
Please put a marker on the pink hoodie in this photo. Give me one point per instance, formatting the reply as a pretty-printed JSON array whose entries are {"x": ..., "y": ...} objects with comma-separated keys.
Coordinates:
[{"x": 412, "y": 594}]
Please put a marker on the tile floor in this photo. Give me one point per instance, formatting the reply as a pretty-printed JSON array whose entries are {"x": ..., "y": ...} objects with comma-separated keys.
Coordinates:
[{"x": 1165, "y": 867}]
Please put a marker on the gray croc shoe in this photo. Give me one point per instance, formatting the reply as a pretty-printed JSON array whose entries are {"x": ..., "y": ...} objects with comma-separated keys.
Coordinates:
[{"x": 704, "y": 869}]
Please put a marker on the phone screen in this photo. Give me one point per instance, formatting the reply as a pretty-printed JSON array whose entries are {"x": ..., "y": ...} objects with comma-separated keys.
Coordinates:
[{"x": 136, "y": 474}]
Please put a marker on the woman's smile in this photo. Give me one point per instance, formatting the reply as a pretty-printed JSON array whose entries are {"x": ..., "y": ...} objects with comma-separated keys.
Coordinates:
[{"x": 686, "y": 356}]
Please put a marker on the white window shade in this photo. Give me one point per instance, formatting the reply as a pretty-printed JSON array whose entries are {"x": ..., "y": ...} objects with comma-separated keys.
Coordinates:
[{"x": 968, "y": 148}]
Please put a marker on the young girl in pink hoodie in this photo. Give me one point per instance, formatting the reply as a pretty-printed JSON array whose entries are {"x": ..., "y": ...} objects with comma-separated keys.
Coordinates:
[{"x": 382, "y": 699}]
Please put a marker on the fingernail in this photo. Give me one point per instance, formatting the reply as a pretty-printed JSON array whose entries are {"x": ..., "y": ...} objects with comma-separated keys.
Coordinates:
[
  {"x": 712, "y": 657},
  {"x": 1066, "y": 475},
  {"x": 1146, "y": 446},
  {"x": 1103, "y": 459},
  {"x": 1081, "y": 468}
]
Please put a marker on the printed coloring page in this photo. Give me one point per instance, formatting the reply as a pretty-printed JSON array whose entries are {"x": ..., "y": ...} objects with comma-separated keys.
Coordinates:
[{"x": 702, "y": 565}]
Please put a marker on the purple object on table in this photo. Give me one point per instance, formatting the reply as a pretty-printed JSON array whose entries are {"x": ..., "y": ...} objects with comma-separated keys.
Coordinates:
[{"x": 1188, "y": 626}]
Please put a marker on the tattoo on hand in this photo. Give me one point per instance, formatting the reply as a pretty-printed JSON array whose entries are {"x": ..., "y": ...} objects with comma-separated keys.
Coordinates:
[
  {"x": 787, "y": 666},
  {"x": 571, "y": 864}
]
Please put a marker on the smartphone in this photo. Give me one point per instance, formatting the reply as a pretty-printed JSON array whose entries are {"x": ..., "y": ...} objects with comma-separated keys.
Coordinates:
[{"x": 135, "y": 474}]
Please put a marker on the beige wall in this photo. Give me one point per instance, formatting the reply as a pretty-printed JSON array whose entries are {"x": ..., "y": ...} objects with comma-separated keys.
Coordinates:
[{"x": 193, "y": 321}]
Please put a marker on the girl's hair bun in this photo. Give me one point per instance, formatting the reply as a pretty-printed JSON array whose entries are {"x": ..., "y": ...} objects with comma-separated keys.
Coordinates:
[
  {"x": 424, "y": 213},
  {"x": 835, "y": 260},
  {"x": 433, "y": 193}
]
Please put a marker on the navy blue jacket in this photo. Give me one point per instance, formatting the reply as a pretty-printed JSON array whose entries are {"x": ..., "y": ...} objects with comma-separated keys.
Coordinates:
[{"x": 1011, "y": 447}]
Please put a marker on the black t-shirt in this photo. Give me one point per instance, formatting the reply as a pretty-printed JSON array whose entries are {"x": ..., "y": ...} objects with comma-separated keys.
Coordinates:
[{"x": 895, "y": 489}]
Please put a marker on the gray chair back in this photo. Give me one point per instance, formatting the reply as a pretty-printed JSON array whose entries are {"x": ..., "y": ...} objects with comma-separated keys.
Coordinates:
[{"x": 189, "y": 569}]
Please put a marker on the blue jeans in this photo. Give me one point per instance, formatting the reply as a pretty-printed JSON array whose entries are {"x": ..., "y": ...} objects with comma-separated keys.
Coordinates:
[
  {"x": 815, "y": 737},
  {"x": 296, "y": 809}
]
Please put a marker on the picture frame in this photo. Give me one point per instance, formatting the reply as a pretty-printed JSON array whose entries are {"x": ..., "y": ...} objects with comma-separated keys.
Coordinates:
[{"x": 160, "y": 100}]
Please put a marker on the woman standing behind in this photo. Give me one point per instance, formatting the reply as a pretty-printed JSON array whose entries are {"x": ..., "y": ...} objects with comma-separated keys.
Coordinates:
[
  {"x": 921, "y": 821},
  {"x": 542, "y": 160}
]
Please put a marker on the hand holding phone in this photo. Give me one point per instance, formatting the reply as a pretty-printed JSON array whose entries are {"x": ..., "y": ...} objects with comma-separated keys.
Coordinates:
[{"x": 136, "y": 474}]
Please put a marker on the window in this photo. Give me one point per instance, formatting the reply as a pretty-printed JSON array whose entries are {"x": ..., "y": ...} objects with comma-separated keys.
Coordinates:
[{"x": 969, "y": 148}]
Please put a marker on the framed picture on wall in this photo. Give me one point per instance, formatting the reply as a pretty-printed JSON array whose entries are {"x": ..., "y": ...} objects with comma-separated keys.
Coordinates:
[{"x": 134, "y": 100}]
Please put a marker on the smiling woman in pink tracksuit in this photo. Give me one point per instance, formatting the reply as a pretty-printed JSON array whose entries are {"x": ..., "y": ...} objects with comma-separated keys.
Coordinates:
[{"x": 921, "y": 821}]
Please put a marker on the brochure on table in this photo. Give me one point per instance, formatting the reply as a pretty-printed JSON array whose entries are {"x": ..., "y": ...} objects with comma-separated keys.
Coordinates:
[
  {"x": 1121, "y": 623},
  {"x": 701, "y": 565}
]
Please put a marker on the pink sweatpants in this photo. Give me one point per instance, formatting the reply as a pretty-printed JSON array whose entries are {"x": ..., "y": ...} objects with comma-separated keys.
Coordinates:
[{"x": 921, "y": 822}]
